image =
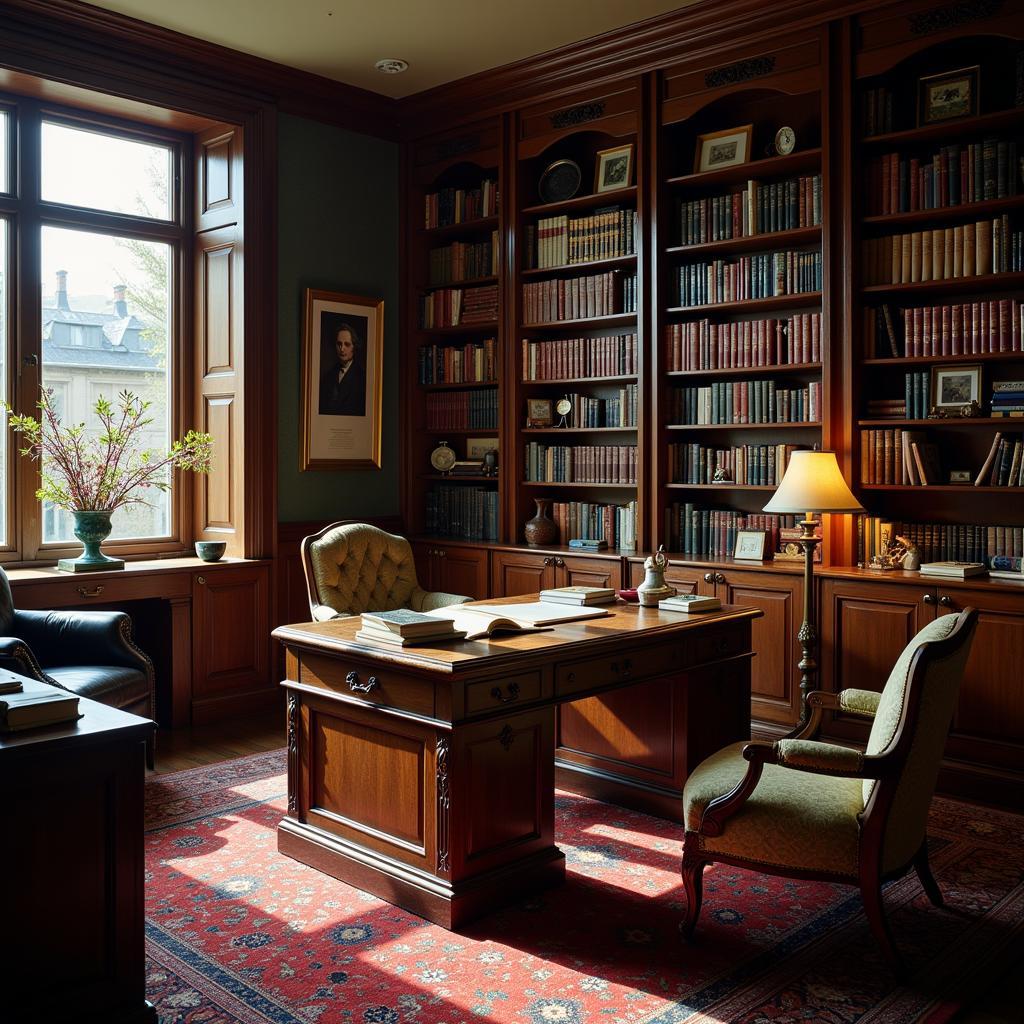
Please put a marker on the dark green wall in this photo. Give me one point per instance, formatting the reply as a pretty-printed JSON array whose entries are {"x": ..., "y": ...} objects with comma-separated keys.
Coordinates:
[{"x": 337, "y": 229}]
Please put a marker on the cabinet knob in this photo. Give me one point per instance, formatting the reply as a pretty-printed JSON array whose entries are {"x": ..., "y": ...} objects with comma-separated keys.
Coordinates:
[
  {"x": 357, "y": 687},
  {"x": 946, "y": 601},
  {"x": 90, "y": 591},
  {"x": 719, "y": 577},
  {"x": 709, "y": 577},
  {"x": 442, "y": 554},
  {"x": 561, "y": 562},
  {"x": 200, "y": 579},
  {"x": 929, "y": 599},
  {"x": 549, "y": 561}
]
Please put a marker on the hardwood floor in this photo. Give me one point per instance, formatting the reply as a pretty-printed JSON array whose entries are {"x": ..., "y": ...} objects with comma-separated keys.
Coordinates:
[{"x": 189, "y": 748}]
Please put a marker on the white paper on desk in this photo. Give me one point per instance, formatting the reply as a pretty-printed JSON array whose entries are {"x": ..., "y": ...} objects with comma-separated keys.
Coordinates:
[{"x": 532, "y": 613}]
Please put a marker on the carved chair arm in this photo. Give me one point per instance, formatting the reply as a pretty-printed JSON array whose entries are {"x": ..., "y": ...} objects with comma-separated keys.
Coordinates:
[{"x": 860, "y": 702}]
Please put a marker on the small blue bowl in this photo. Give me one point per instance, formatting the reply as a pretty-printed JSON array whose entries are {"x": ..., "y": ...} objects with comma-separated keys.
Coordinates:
[{"x": 210, "y": 550}]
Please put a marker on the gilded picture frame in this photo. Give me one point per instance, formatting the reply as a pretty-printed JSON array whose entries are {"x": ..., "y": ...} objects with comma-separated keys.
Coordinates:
[{"x": 342, "y": 376}]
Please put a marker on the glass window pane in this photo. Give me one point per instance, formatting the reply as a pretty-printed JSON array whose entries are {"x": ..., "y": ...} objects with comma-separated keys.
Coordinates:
[
  {"x": 5, "y": 151},
  {"x": 106, "y": 321},
  {"x": 4, "y": 389},
  {"x": 105, "y": 172}
]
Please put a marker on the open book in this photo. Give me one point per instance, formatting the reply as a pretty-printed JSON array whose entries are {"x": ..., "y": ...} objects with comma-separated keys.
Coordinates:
[{"x": 486, "y": 619}]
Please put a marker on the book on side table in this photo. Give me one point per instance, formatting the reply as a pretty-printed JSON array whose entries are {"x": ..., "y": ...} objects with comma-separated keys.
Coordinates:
[
  {"x": 690, "y": 603},
  {"x": 954, "y": 570},
  {"x": 36, "y": 704}
]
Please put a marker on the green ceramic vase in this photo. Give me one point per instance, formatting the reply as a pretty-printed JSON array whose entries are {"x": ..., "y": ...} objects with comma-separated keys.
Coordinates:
[{"x": 92, "y": 529}]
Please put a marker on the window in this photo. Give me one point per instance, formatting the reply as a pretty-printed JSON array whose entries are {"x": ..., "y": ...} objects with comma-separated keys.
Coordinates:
[{"x": 98, "y": 205}]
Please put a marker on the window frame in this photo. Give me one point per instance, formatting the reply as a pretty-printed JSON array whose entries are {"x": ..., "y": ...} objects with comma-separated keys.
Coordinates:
[{"x": 27, "y": 213}]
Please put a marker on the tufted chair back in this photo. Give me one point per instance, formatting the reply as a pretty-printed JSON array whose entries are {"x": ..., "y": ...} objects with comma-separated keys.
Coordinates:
[
  {"x": 354, "y": 567},
  {"x": 6, "y": 605}
]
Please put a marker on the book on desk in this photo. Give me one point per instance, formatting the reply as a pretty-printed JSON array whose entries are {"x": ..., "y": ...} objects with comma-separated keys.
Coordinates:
[{"x": 34, "y": 704}]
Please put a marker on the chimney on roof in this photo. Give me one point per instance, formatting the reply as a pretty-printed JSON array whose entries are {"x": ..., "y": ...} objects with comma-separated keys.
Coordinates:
[
  {"x": 62, "y": 290},
  {"x": 120, "y": 303}
]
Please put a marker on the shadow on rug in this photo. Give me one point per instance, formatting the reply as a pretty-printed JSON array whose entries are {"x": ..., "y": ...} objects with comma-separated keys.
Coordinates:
[{"x": 236, "y": 932}]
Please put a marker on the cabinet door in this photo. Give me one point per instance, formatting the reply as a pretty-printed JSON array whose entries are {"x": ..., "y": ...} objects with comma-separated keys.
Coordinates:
[
  {"x": 687, "y": 579},
  {"x": 427, "y": 571},
  {"x": 988, "y": 726},
  {"x": 462, "y": 571},
  {"x": 521, "y": 572},
  {"x": 864, "y": 627},
  {"x": 774, "y": 677},
  {"x": 589, "y": 572},
  {"x": 230, "y": 642}
]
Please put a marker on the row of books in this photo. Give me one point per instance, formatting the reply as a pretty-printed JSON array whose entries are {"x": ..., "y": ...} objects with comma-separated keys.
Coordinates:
[
  {"x": 463, "y": 261},
  {"x": 913, "y": 405},
  {"x": 746, "y": 401},
  {"x": 620, "y": 411},
  {"x": 944, "y": 254},
  {"x": 877, "y": 111},
  {"x": 992, "y": 545},
  {"x": 1008, "y": 399},
  {"x": 1003, "y": 466},
  {"x": 569, "y": 358},
  {"x": 460, "y": 205},
  {"x": 455, "y": 307},
  {"x": 588, "y": 520},
  {"x": 901, "y": 457},
  {"x": 759, "y": 465},
  {"x": 704, "y": 345},
  {"x": 463, "y": 410},
  {"x": 560, "y": 241},
  {"x": 758, "y": 276},
  {"x": 968, "y": 328},
  {"x": 755, "y": 210},
  {"x": 472, "y": 363},
  {"x": 469, "y": 513},
  {"x": 712, "y": 532},
  {"x": 581, "y": 464},
  {"x": 578, "y": 298},
  {"x": 954, "y": 176}
]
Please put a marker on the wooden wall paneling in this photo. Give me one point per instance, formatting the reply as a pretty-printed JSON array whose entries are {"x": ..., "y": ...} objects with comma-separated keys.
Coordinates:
[
  {"x": 464, "y": 571},
  {"x": 589, "y": 572},
  {"x": 520, "y": 572}
]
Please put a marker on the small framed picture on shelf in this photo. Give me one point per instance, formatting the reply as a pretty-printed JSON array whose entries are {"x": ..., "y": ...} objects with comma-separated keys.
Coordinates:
[
  {"x": 948, "y": 96},
  {"x": 539, "y": 412},
  {"x": 614, "y": 168},
  {"x": 723, "y": 149},
  {"x": 954, "y": 387},
  {"x": 478, "y": 447},
  {"x": 960, "y": 476},
  {"x": 750, "y": 545}
]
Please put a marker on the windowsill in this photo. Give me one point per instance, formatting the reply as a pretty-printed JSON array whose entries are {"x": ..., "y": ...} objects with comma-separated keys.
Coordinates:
[{"x": 153, "y": 567}]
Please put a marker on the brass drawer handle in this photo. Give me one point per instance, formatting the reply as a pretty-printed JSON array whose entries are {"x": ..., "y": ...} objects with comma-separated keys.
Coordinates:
[
  {"x": 627, "y": 667},
  {"x": 200, "y": 579},
  {"x": 357, "y": 687},
  {"x": 709, "y": 577},
  {"x": 719, "y": 577},
  {"x": 929, "y": 599},
  {"x": 90, "y": 592},
  {"x": 513, "y": 693},
  {"x": 946, "y": 601}
]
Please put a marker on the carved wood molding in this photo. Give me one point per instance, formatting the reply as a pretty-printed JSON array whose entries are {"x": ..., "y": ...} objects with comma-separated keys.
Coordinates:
[
  {"x": 574, "y": 116},
  {"x": 942, "y": 19},
  {"x": 443, "y": 807},
  {"x": 740, "y": 71},
  {"x": 506, "y": 736},
  {"x": 293, "y": 752}
]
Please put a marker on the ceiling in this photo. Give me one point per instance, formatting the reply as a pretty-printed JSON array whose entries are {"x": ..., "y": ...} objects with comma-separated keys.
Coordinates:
[{"x": 442, "y": 40}]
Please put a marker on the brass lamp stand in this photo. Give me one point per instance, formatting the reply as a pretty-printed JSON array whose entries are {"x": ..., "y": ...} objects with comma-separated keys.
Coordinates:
[{"x": 813, "y": 483}]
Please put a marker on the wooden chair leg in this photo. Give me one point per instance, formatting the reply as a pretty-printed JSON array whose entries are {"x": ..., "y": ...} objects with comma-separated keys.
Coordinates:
[
  {"x": 871, "y": 894},
  {"x": 693, "y": 883},
  {"x": 924, "y": 872}
]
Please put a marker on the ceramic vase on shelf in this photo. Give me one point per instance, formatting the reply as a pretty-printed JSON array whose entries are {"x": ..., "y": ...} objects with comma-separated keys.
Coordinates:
[
  {"x": 540, "y": 531},
  {"x": 92, "y": 529}
]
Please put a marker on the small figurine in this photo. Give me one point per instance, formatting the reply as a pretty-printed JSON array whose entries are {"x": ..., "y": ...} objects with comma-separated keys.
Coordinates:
[
  {"x": 721, "y": 476},
  {"x": 654, "y": 587}
]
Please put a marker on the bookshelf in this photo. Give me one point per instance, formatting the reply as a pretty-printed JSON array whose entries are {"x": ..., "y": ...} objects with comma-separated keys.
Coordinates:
[{"x": 938, "y": 283}]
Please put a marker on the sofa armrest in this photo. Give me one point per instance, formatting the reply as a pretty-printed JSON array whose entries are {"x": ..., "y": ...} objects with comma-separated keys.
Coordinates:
[
  {"x": 860, "y": 702},
  {"x": 17, "y": 656},
  {"x": 426, "y": 601},
  {"x": 80, "y": 638}
]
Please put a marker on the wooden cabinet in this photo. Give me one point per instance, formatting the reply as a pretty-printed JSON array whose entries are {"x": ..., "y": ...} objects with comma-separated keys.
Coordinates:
[
  {"x": 452, "y": 570},
  {"x": 526, "y": 572}
]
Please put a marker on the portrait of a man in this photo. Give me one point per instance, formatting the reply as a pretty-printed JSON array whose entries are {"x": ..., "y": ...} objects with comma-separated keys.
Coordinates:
[{"x": 343, "y": 354}]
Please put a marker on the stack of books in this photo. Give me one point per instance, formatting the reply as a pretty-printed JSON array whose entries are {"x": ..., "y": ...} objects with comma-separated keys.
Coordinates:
[
  {"x": 1008, "y": 398},
  {"x": 588, "y": 543},
  {"x": 578, "y": 595},
  {"x": 28, "y": 704},
  {"x": 953, "y": 570},
  {"x": 690, "y": 603},
  {"x": 406, "y": 628}
]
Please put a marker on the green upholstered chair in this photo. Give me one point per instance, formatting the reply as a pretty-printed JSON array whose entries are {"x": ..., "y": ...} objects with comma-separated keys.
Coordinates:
[
  {"x": 354, "y": 567},
  {"x": 815, "y": 810}
]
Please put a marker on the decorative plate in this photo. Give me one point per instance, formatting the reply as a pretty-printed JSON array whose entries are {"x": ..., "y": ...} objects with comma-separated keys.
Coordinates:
[
  {"x": 442, "y": 458},
  {"x": 563, "y": 407},
  {"x": 560, "y": 181}
]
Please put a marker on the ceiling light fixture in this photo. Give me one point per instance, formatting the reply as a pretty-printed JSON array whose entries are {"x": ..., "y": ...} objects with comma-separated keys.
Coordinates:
[{"x": 391, "y": 66}]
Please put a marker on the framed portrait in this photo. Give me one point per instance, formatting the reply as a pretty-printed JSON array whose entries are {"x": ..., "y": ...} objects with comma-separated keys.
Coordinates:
[
  {"x": 953, "y": 387},
  {"x": 478, "y": 447},
  {"x": 538, "y": 412},
  {"x": 750, "y": 544},
  {"x": 342, "y": 370},
  {"x": 614, "y": 168},
  {"x": 723, "y": 149},
  {"x": 947, "y": 96}
]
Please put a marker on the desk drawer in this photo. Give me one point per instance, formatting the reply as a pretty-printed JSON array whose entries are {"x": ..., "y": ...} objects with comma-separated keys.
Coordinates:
[
  {"x": 702, "y": 647},
  {"x": 367, "y": 685},
  {"x": 80, "y": 591},
  {"x": 494, "y": 694},
  {"x": 589, "y": 673}
]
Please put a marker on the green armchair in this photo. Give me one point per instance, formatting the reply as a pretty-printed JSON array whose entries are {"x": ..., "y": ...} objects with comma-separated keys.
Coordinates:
[
  {"x": 814, "y": 810},
  {"x": 354, "y": 567}
]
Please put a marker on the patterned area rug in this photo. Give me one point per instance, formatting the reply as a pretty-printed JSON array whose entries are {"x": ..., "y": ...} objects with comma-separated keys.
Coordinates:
[{"x": 237, "y": 932}]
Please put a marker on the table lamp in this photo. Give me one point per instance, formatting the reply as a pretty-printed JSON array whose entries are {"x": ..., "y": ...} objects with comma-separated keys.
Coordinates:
[{"x": 812, "y": 483}]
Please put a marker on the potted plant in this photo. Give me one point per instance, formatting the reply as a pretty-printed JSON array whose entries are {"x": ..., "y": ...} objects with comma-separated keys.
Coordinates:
[{"x": 93, "y": 473}]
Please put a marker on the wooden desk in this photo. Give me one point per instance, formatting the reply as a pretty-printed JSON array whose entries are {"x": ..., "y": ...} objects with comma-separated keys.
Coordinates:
[
  {"x": 72, "y": 945},
  {"x": 426, "y": 776}
]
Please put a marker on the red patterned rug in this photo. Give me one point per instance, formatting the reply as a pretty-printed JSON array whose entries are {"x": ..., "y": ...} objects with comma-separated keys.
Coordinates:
[{"x": 237, "y": 932}]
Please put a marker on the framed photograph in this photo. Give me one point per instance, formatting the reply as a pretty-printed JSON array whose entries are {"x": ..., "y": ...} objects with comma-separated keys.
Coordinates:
[
  {"x": 947, "y": 96},
  {"x": 750, "y": 544},
  {"x": 614, "y": 168},
  {"x": 538, "y": 412},
  {"x": 953, "y": 387},
  {"x": 342, "y": 367},
  {"x": 723, "y": 149},
  {"x": 478, "y": 447},
  {"x": 960, "y": 476}
]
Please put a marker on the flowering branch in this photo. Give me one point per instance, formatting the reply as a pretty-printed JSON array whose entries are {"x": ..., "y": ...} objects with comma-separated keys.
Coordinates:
[{"x": 100, "y": 473}]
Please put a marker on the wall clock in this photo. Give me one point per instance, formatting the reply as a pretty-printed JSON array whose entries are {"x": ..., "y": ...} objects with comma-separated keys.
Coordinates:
[
  {"x": 442, "y": 458},
  {"x": 785, "y": 141},
  {"x": 560, "y": 181}
]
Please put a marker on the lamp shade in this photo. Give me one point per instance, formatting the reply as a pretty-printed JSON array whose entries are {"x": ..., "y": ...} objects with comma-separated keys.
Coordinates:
[{"x": 813, "y": 483}]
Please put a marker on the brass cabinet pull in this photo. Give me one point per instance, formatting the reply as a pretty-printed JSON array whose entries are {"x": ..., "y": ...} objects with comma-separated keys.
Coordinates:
[
  {"x": 719, "y": 577},
  {"x": 90, "y": 592},
  {"x": 929, "y": 599},
  {"x": 200, "y": 579},
  {"x": 513, "y": 693},
  {"x": 709, "y": 577},
  {"x": 946, "y": 601},
  {"x": 559, "y": 561},
  {"x": 357, "y": 687},
  {"x": 549, "y": 561}
]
